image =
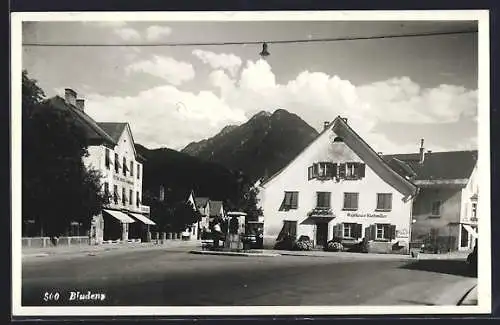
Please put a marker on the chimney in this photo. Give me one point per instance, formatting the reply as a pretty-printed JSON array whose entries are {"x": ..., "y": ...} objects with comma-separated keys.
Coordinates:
[
  {"x": 80, "y": 103},
  {"x": 422, "y": 151},
  {"x": 70, "y": 96},
  {"x": 326, "y": 124},
  {"x": 344, "y": 119}
]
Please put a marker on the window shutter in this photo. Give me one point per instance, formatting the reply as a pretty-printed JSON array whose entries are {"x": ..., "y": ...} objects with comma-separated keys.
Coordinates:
[
  {"x": 334, "y": 170},
  {"x": 361, "y": 170},
  {"x": 357, "y": 230},
  {"x": 392, "y": 232},
  {"x": 327, "y": 199},
  {"x": 310, "y": 173},
  {"x": 389, "y": 201},
  {"x": 379, "y": 201},
  {"x": 342, "y": 170},
  {"x": 373, "y": 232},
  {"x": 295, "y": 200}
]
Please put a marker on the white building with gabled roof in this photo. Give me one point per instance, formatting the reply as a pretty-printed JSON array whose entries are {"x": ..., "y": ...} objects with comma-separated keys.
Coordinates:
[{"x": 339, "y": 187}]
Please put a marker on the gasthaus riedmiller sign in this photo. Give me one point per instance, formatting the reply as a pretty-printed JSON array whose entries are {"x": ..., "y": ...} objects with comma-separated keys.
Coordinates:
[{"x": 366, "y": 215}]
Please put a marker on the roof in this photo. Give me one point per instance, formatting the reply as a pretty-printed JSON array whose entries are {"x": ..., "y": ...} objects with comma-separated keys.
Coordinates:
[
  {"x": 201, "y": 202},
  {"x": 340, "y": 126},
  {"x": 92, "y": 130},
  {"x": 215, "y": 208},
  {"x": 447, "y": 165},
  {"x": 114, "y": 130}
]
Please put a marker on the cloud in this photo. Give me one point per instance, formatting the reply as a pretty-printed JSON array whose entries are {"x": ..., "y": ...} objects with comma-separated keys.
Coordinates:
[
  {"x": 156, "y": 32},
  {"x": 173, "y": 71},
  {"x": 229, "y": 62},
  {"x": 166, "y": 116},
  {"x": 127, "y": 33},
  {"x": 181, "y": 116}
]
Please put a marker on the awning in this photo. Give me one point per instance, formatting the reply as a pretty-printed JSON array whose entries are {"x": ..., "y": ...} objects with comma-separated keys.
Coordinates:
[
  {"x": 142, "y": 218},
  {"x": 470, "y": 231},
  {"x": 312, "y": 220},
  {"x": 120, "y": 216}
]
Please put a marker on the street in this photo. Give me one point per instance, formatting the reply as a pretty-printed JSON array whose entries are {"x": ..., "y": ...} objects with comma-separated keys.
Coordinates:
[{"x": 177, "y": 278}]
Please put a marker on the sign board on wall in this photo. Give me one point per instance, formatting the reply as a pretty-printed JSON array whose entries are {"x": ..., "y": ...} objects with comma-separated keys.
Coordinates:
[
  {"x": 122, "y": 179},
  {"x": 402, "y": 233},
  {"x": 366, "y": 215}
]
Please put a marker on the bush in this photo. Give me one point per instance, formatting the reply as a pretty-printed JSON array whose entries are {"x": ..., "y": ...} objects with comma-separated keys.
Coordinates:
[
  {"x": 303, "y": 244},
  {"x": 334, "y": 246}
]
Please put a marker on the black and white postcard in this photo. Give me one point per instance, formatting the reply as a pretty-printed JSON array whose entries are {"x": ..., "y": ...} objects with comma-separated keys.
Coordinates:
[{"x": 250, "y": 163}]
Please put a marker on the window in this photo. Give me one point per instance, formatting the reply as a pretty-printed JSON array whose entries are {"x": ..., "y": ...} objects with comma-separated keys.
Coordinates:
[
  {"x": 107, "y": 159},
  {"x": 290, "y": 201},
  {"x": 106, "y": 189},
  {"x": 436, "y": 208},
  {"x": 323, "y": 199},
  {"x": 117, "y": 163},
  {"x": 125, "y": 166},
  {"x": 289, "y": 229},
  {"x": 385, "y": 231},
  {"x": 351, "y": 170},
  {"x": 347, "y": 230},
  {"x": 322, "y": 170},
  {"x": 137, "y": 199},
  {"x": 131, "y": 197},
  {"x": 138, "y": 171},
  {"x": 474, "y": 210},
  {"x": 351, "y": 201},
  {"x": 384, "y": 201},
  {"x": 115, "y": 194},
  {"x": 124, "y": 199},
  {"x": 131, "y": 168}
]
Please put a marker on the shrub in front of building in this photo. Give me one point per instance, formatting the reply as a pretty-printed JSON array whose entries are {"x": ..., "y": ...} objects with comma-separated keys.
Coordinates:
[
  {"x": 334, "y": 246},
  {"x": 304, "y": 243}
]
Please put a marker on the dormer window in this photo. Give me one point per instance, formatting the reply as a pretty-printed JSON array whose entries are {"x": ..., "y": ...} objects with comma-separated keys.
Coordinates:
[{"x": 338, "y": 139}]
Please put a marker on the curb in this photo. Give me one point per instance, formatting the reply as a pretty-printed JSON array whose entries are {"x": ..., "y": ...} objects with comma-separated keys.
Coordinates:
[
  {"x": 470, "y": 297},
  {"x": 234, "y": 254}
]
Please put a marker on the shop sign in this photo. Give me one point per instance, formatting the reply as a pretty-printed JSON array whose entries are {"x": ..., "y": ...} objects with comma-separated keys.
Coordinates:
[
  {"x": 122, "y": 179},
  {"x": 366, "y": 215}
]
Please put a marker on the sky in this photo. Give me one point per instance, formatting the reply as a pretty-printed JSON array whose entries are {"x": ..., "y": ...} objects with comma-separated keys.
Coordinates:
[{"x": 392, "y": 91}]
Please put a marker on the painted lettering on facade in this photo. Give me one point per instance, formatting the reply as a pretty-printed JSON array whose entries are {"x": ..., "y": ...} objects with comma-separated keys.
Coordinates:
[
  {"x": 366, "y": 215},
  {"x": 122, "y": 179}
]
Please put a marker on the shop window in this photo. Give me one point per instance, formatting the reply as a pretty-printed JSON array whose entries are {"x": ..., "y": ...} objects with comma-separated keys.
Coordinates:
[
  {"x": 290, "y": 201},
  {"x": 384, "y": 201},
  {"x": 436, "y": 208},
  {"x": 351, "y": 201},
  {"x": 124, "y": 199},
  {"x": 323, "y": 199}
]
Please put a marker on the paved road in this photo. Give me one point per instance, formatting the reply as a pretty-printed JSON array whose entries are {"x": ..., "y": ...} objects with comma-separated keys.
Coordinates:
[{"x": 176, "y": 278}]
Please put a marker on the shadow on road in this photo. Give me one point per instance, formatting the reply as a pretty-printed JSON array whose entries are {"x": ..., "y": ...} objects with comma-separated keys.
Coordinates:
[{"x": 453, "y": 267}]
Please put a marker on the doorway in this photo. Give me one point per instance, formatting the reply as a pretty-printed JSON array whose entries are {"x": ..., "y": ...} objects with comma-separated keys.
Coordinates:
[{"x": 321, "y": 234}]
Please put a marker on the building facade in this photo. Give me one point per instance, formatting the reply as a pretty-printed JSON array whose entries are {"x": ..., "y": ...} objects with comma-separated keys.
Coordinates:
[
  {"x": 445, "y": 209},
  {"x": 112, "y": 153},
  {"x": 338, "y": 187}
]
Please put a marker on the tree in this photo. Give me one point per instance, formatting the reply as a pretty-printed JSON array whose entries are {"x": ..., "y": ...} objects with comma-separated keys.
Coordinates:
[
  {"x": 57, "y": 187},
  {"x": 184, "y": 216},
  {"x": 247, "y": 200}
]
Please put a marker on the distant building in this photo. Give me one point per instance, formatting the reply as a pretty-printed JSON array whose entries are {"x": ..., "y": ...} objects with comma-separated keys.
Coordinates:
[
  {"x": 203, "y": 206},
  {"x": 112, "y": 152},
  {"x": 339, "y": 187},
  {"x": 445, "y": 209}
]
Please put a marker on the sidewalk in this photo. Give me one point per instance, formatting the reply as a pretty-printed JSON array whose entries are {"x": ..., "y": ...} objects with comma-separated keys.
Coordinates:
[{"x": 88, "y": 249}]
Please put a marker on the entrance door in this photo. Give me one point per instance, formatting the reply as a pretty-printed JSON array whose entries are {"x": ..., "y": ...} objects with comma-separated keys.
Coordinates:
[{"x": 321, "y": 234}]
